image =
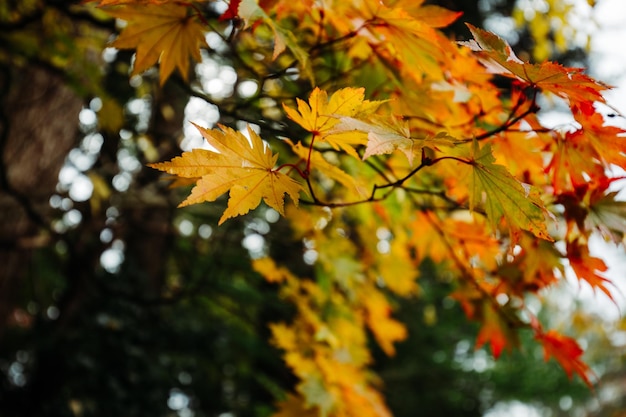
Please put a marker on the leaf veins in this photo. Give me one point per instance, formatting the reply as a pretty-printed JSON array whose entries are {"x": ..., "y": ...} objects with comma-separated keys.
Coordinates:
[
  {"x": 244, "y": 168},
  {"x": 163, "y": 32},
  {"x": 493, "y": 187}
]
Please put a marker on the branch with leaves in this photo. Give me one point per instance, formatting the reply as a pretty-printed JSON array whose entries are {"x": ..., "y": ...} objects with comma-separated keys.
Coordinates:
[{"x": 450, "y": 165}]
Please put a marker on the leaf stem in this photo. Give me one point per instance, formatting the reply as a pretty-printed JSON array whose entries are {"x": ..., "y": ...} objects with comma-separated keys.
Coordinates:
[
  {"x": 292, "y": 166},
  {"x": 307, "y": 170}
]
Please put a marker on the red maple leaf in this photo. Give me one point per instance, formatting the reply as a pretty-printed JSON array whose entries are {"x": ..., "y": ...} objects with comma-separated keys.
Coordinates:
[
  {"x": 232, "y": 11},
  {"x": 566, "y": 351}
]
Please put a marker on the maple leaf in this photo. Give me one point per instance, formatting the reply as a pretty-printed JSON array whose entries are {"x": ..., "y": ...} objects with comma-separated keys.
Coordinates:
[
  {"x": 409, "y": 44},
  {"x": 387, "y": 135},
  {"x": 533, "y": 268},
  {"x": 270, "y": 271},
  {"x": 501, "y": 195},
  {"x": 566, "y": 351},
  {"x": 232, "y": 11},
  {"x": 568, "y": 83},
  {"x": 397, "y": 268},
  {"x": 434, "y": 16},
  {"x": 574, "y": 162},
  {"x": 608, "y": 142},
  {"x": 386, "y": 330},
  {"x": 164, "y": 32},
  {"x": 591, "y": 207},
  {"x": 252, "y": 12},
  {"x": 588, "y": 268},
  {"x": 246, "y": 168},
  {"x": 321, "y": 114},
  {"x": 494, "y": 331},
  {"x": 608, "y": 215},
  {"x": 328, "y": 169}
]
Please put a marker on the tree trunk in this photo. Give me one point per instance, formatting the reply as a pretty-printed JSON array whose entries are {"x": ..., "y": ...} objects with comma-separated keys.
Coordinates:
[{"x": 38, "y": 127}]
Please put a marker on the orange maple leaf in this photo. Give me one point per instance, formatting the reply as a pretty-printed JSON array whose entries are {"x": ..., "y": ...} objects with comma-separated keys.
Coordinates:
[
  {"x": 246, "y": 168},
  {"x": 566, "y": 351},
  {"x": 160, "y": 32},
  {"x": 568, "y": 83},
  {"x": 575, "y": 163},
  {"x": 608, "y": 142},
  {"x": 494, "y": 331},
  {"x": 433, "y": 16},
  {"x": 588, "y": 268}
]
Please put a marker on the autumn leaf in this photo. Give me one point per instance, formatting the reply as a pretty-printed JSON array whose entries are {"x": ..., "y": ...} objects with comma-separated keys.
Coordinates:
[
  {"x": 316, "y": 392},
  {"x": 386, "y": 330},
  {"x": 164, "y": 33},
  {"x": 501, "y": 195},
  {"x": 232, "y": 11},
  {"x": 321, "y": 114},
  {"x": 566, "y": 351},
  {"x": 608, "y": 142},
  {"x": 387, "y": 135},
  {"x": 591, "y": 207},
  {"x": 588, "y": 268},
  {"x": 251, "y": 12},
  {"x": 537, "y": 265},
  {"x": 574, "y": 163},
  {"x": 408, "y": 43},
  {"x": 494, "y": 331},
  {"x": 568, "y": 83},
  {"x": 295, "y": 406},
  {"x": 608, "y": 215},
  {"x": 582, "y": 157},
  {"x": 328, "y": 169},
  {"x": 245, "y": 168},
  {"x": 270, "y": 271},
  {"x": 397, "y": 269},
  {"x": 434, "y": 16}
]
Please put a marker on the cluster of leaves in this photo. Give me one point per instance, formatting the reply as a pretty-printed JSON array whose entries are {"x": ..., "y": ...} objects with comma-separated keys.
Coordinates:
[
  {"x": 553, "y": 28},
  {"x": 446, "y": 161}
]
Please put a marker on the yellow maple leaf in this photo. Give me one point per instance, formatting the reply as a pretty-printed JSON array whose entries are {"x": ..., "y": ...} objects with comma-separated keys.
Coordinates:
[
  {"x": 270, "y": 271},
  {"x": 322, "y": 113},
  {"x": 245, "y": 168},
  {"x": 330, "y": 170},
  {"x": 386, "y": 330},
  {"x": 160, "y": 32}
]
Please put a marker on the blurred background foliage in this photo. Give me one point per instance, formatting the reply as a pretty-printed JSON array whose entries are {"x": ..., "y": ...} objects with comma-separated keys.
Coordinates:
[{"x": 115, "y": 302}]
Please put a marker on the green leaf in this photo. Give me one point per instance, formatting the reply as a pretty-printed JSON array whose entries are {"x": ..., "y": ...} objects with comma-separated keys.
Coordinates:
[{"x": 501, "y": 195}]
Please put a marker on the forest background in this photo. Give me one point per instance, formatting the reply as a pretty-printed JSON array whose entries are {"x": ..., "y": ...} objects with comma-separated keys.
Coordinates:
[{"x": 113, "y": 301}]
